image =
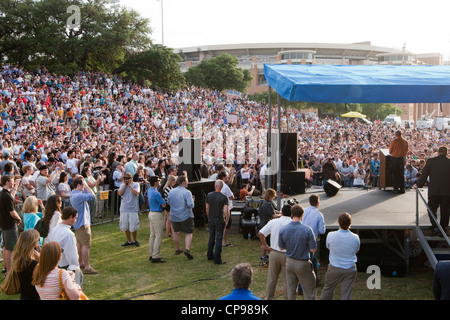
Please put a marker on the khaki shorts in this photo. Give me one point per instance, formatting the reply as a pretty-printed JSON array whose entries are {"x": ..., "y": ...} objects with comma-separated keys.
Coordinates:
[
  {"x": 129, "y": 221},
  {"x": 83, "y": 235}
]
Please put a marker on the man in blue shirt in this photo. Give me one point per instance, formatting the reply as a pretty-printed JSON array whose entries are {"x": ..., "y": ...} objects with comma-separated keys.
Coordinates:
[
  {"x": 298, "y": 240},
  {"x": 343, "y": 245},
  {"x": 441, "y": 280},
  {"x": 314, "y": 219},
  {"x": 155, "y": 218},
  {"x": 242, "y": 275},
  {"x": 79, "y": 198},
  {"x": 181, "y": 215}
]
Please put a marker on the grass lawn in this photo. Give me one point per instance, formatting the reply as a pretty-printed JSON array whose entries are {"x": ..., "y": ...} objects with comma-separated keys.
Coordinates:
[{"x": 125, "y": 273}]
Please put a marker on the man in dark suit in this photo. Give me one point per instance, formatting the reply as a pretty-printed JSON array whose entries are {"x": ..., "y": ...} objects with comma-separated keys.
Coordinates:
[
  {"x": 441, "y": 281},
  {"x": 438, "y": 169}
]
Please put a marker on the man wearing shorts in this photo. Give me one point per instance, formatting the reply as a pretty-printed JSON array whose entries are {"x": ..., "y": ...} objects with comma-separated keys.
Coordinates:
[
  {"x": 9, "y": 218},
  {"x": 181, "y": 215},
  {"x": 79, "y": 198},
  {"x": 129, "y": 209}
]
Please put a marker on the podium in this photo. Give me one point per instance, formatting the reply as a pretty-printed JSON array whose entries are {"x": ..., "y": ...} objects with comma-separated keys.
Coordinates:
[{"x": 385, "y": 169}]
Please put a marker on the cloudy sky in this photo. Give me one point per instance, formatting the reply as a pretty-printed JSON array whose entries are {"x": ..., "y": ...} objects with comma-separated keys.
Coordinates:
[{"x": 424, "y": 26}]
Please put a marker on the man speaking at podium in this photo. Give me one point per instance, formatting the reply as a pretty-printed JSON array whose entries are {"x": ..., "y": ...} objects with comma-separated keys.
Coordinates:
[{"x": 398, "y": 148}]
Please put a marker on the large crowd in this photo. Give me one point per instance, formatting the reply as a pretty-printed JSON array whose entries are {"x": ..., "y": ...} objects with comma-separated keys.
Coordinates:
[
  {"x": 56, "y": 128},
  {"x": 103, "y": 118}
]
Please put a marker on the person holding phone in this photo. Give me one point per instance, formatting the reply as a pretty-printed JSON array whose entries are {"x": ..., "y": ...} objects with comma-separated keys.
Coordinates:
[
  {"x": 129, "y": 209},
  {"x": 79, "y": 198}
]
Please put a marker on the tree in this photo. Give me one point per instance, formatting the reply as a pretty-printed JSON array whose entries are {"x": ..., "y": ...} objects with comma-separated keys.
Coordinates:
[
  {"x": 379, "y": 111},
  {"x": 159, "y": 65},
  {"x": 36, "y": 33},
  {"x": 219, "y": 73}
]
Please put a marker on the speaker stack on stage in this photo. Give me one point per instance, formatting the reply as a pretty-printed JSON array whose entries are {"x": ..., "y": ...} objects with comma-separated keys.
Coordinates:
[
  {"x": 292, "y": 178},
  {"x": 190, "y": 159},
  {"x": 200, "y": 190},
  {"x": 331, "y": 188}
]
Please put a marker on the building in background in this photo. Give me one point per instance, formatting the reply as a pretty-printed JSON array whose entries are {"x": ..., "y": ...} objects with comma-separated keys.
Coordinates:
[{"x": 253, "y": 56}]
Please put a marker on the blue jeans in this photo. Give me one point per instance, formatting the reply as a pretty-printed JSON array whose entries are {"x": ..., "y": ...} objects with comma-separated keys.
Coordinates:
[{"x": 215, "y": 242}]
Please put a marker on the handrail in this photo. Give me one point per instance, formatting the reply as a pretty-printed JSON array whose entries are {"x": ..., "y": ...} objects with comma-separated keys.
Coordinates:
[{"x": 430, "y": 213}]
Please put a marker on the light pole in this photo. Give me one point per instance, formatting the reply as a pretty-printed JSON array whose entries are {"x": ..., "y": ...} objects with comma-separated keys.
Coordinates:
[{"x": 162, "y": 22}]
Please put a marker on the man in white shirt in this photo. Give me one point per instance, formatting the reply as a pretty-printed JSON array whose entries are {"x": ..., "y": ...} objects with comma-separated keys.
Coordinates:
[
  {"x": 245, "y": 173},
  {"x": 71, "y": 163},
  {"x": 277, "y": 257},
  {"x": 131, "y": 166},
  {"x": 223, "y": 175},
  {"x": 262, "y": 176},
  {"x": 66, "y": 238},
  {"x": 118, "y": 175}
]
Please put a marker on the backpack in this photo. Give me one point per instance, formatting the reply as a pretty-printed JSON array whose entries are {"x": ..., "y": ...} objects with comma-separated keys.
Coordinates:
[{"x": 40, "y": 228}]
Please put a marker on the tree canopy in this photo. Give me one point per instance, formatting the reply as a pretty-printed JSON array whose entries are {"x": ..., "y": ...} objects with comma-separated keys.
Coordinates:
[
  {"x": 34, "y": 33},
  {"x": 219, "y": 73},
  {"x": 159, "y": 65},
  {"x": 373, "y": 111}
]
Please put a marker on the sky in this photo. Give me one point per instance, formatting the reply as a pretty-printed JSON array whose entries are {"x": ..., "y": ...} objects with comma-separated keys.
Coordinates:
[{"x": 420, "y": 26}]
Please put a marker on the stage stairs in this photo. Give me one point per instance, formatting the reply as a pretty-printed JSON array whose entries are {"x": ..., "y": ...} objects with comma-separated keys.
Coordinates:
[{"x": 436, "y": 247}]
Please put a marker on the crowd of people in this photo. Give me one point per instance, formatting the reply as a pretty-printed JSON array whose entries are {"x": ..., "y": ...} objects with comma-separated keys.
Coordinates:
[{"x": 66, "y": 138}]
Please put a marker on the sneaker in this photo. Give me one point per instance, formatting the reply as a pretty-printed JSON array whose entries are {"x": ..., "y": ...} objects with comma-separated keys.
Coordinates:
[
  {"x": 158, "y": 260},
  {"x": 128, "y": 243},
  {"x": 137, "y": 244}
]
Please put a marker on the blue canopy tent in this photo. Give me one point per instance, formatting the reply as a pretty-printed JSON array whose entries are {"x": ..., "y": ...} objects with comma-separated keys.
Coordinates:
[
  {"x": 360, "y": 83},
  {"x": 355, "y": 84}
]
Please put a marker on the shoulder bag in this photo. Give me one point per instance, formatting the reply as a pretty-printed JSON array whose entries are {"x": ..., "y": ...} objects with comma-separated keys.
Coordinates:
[
  {"x": 63, "y": 294},
  {"x": 11, "y": 284}
]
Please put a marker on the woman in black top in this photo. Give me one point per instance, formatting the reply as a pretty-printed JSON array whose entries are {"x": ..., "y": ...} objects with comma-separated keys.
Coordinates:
[
  {"x": 267, "y": 212},
  {"x": 161, "y": 171},
  {"x": 25, "y": 258}
]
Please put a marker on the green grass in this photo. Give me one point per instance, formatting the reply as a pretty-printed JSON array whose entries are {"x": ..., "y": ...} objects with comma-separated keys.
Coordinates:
[{"x": 125, "y": 273}]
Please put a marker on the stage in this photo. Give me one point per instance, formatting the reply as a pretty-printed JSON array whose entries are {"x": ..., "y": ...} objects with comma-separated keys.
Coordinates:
[
  {"x": 385, "y": 223},
  {"x": 370, "y": 209}
]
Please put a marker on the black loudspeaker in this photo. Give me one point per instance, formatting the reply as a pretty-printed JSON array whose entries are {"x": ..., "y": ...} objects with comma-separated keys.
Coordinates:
[
  {"x": 293, "y": 182},
  {"x": 190, "y": 158},
  {"x": 289, "y": 151},
  {"x": 200, "y": 190},
  {"x": 331, "y": 188}
]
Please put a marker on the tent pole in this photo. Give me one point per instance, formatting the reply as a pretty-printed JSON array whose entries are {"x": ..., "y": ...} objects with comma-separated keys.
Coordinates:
[
  {"x": 269, "y": 141},
  {"x": 279, "y": 155}
]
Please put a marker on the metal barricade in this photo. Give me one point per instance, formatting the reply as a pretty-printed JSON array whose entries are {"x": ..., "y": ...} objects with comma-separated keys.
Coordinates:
[{"x": 108, "y": 204}]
